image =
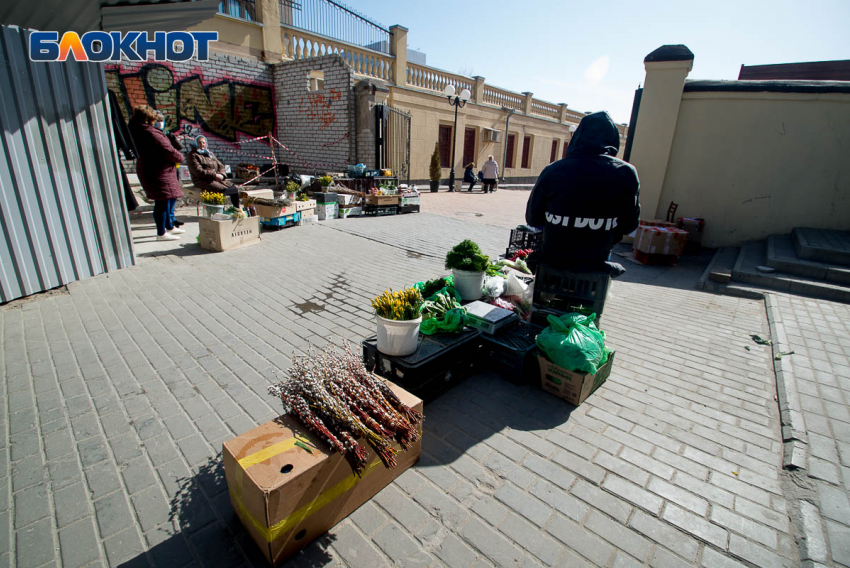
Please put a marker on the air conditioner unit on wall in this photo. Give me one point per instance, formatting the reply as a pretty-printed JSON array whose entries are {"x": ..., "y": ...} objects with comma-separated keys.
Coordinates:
[{"x": 491, "y": 135}]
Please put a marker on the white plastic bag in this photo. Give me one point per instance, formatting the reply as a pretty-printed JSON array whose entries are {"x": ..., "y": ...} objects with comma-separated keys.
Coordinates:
[
  {"x": 494, "y": 286},
  {"x": 515, "y": 286}
]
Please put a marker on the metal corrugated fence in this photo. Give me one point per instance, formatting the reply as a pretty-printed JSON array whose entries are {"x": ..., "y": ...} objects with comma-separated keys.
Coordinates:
[{"x": 62, "y": 211}]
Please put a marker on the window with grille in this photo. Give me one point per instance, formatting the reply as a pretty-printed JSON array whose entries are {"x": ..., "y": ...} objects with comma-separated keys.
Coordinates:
[
  {"x": 554, "y": 155},
  {"x": 566, "y": 145},
  {"x": 445, "y": 140},
  {"x": 242, "y": 9}
]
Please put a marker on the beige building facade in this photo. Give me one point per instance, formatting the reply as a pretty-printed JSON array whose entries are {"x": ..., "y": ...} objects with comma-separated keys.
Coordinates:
[
  {"x": 538, "y": 131},
  {"x": 752, "y": 158}
]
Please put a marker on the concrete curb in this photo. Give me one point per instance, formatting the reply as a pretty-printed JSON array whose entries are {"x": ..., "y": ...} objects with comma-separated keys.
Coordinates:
[{"x": 794, "y": 435}]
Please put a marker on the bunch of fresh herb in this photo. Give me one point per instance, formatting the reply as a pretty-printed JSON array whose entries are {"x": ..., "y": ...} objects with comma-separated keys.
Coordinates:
[{"x": 467, "y": 255}]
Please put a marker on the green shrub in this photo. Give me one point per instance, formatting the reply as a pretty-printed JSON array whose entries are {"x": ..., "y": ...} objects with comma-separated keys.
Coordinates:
[
  {"x": 467, "y": 256},
  {"x": 435, "y": 172}
]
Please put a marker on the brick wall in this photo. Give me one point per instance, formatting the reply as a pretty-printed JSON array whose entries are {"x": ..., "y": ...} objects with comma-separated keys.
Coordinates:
[
  {"x": 317, "y": 126},
  {"x": 228, "y": 99}
]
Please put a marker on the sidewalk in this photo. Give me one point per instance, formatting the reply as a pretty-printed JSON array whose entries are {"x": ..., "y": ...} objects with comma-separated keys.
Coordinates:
[
  {"x": 818, "y": 332},
  {"x": 119, "y": 393}
]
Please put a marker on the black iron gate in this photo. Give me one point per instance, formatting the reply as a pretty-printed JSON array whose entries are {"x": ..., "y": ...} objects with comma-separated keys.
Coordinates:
[{"x": 392, "y": 144}]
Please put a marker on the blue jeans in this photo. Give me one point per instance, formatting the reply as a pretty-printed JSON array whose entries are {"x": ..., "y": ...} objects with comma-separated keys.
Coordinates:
[{"x": 163, "y": 215}]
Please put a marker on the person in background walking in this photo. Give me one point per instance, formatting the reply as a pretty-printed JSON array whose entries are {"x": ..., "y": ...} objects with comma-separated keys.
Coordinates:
[
  {"x": 208, "y": 172},
  {"x": 155, "y": 168},
  {"x": 469, "y": 175},
  {"x": 490, "y": 169}
]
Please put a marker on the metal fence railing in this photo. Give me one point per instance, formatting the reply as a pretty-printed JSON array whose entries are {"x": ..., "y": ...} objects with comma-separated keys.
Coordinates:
[
  {"x": 242, "y": 9},
  {"x": 335, "y": 20}
]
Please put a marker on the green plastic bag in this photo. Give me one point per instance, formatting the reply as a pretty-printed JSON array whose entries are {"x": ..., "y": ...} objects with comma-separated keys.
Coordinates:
[
  {"x": 442, "y": 313},
  {"x": 573, "y": 342},
  {"x": 454, "y": 320},
  {"x": 431, "y": 287}
]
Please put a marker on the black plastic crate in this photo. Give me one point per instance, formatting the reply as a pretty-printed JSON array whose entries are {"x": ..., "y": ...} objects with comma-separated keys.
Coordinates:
[
  {"x": 540, "y": 315},
  {"x": 325, "y": 197},
  {"x": 409, "y": 209},
  {"x": 512, "y": 353},
  {"x": 440, "y": 362},
  {"x": 521, "y": 239},
  {"x": 571, "y": 291},
  {"x": 380, "y": 210}
]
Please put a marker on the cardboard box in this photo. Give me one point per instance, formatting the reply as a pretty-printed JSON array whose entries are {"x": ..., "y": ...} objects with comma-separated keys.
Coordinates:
[
  {"x": 269, "y": 211},
  {"x": 304, "y": 205},
  {"x": 381, "y": 200},
  {"x": 287, "y": 497},
  {"x": 694, "y": 227},
  {"x": 660, "y": 240},
  {"x": 346, "y": 200},
  {"x": 572, "y": 386},
  {"x": 350, "y": 212},
  {"x": 327, "y": 211},
  {"x": 226, "y": 235},
  {"x": 257, "y": 193}
]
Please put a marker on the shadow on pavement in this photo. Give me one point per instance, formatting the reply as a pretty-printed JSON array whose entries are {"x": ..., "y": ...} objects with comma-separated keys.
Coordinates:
[
  {"x": 481, "y": 407},
  {"x": 210, "y": 534},
  {"x": 684, "y": 275}
]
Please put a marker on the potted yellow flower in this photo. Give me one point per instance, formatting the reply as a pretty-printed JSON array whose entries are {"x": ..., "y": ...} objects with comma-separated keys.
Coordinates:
[
  {"x": 213, "y": 202},
  {"x": 398, "y": 321}
]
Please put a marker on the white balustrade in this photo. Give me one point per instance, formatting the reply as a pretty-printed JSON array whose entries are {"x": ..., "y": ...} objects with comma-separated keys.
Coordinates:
[
  {"x": 432, "y": 79},
  {"x": 543, "y": 108},
  {"x": 298, "y": 44}
]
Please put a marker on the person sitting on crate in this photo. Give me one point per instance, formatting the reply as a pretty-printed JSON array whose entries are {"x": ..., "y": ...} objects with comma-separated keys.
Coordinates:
[
  {"x": 208, "y": 172},
  {"x": 587, "y": 201}
]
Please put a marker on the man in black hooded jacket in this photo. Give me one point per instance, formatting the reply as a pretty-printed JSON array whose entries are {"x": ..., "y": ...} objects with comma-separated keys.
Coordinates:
[{"x": 587, "y": 201}]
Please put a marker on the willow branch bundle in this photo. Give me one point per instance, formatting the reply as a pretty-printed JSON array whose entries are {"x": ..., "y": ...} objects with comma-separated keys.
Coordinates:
[
  {"x": 334, "y": 396},
  {"x": 277, "y": 202}
]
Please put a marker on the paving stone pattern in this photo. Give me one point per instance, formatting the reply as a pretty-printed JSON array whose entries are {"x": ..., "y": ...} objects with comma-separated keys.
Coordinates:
[
  {"x": 118, "y": 395},
  {"x": 818, "y": 332}
]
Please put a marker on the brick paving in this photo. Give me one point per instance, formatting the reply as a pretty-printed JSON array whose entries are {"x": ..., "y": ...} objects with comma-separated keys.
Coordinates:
[
  {"x": 818, "y": 332},
  {"x": 119, "y": 393}
]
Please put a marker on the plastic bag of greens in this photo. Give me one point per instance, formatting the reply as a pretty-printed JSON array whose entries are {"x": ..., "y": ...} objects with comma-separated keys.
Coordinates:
[
  {"x": 442, "y": 313},
  {"x": 431, "y": 287},
  {"x": 573, "y": 342}
]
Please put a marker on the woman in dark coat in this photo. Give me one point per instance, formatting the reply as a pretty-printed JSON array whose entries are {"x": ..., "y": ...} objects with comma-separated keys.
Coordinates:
[
  {"x": 208, "y": 172},
  {"x": 155, "y": 168}
]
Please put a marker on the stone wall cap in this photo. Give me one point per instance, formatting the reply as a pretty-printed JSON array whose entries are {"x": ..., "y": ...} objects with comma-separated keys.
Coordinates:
[
  {"x": 768, "y": 86},
  {"x": 678, "y": 52}
]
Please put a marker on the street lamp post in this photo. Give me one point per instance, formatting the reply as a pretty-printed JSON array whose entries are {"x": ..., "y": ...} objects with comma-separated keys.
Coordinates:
[{"x": 457, "y": 102}]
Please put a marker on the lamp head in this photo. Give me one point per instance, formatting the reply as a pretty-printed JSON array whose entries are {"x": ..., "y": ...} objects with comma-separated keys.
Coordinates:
[
  {"x": 573, "y": 128},
  {"x": 465, "y": 94},
  {"x": 449, "y": 90}
]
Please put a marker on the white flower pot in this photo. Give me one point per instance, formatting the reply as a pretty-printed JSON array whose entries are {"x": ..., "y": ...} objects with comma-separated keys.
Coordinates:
[
  {"x": 213, "y": 209},
  {"x": 468, "y": 284},
  {"x": 398, "y": 338}
]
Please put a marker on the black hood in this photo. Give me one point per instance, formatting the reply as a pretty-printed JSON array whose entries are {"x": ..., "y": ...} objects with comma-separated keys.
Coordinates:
[{"x": 597, "y": 135}]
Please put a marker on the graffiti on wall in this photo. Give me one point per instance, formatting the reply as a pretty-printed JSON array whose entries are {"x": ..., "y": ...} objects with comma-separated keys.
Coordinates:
[
  {"x": 222, "y": 108},
  {"x": 317, "y": 106}
]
